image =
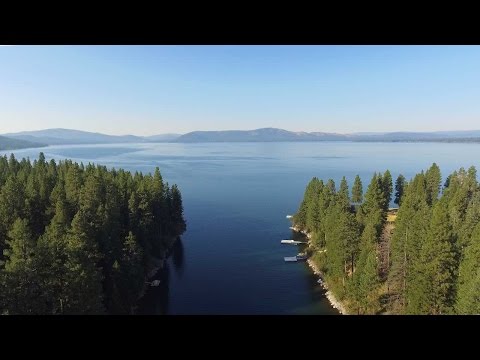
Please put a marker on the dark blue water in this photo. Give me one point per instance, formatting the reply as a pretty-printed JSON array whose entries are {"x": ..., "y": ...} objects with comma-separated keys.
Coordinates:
[{"x": 236, "y": 197}]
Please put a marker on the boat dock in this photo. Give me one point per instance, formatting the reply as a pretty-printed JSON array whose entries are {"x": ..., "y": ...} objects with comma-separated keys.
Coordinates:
[
  {"x": 299, "y": 257},
  {"x": 293, "y": 242}
]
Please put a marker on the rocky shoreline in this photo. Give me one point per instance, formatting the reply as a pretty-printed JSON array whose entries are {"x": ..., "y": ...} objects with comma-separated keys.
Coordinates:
[
  {"x": 336, "y": 304},
  {"x": 331, "y": 298}
]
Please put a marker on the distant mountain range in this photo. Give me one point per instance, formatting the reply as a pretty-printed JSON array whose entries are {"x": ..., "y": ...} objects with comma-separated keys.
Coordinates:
[
  {"x": 12, "y": 144},
  {"x": 272, "y": 134},
  {"x": 70, "y": 137},
  {"x": 259, "y": 135}
]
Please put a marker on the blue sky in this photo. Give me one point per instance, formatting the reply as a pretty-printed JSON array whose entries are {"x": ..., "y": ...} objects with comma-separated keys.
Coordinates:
[{"x": 145, "y": 90}]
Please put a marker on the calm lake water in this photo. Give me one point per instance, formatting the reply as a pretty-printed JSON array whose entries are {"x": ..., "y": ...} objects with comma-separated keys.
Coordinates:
[{"x": 236, "y": 197}]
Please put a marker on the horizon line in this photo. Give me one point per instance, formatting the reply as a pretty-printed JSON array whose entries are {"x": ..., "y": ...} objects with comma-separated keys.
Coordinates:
[{"x": 260, "y": 128}]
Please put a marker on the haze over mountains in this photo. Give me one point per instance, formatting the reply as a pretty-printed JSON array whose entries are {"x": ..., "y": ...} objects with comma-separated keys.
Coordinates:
[
  {"x": 71, "y": 137},
  {"x": 67, "y": 136}
]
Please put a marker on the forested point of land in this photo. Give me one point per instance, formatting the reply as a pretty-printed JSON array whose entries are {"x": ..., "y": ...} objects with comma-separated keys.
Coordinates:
[
  {"x": 13, "y": 144},
  {"x": 423, "y": 258},
  {"x": 78, "y": 239}
]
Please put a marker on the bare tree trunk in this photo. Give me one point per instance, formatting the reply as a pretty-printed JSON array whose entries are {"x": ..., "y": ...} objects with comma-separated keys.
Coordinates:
[{"x": 352, "y": 264}]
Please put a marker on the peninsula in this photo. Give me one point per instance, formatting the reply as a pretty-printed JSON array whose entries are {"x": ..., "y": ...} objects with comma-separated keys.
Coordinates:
[{"x": 419, "y": 258}]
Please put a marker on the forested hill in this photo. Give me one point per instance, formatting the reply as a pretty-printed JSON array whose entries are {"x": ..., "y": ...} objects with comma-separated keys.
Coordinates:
[
  {"x": 13, "y": 144},
  {"x": 78, "y": 239},
  {"x": 423, "y": 259}
]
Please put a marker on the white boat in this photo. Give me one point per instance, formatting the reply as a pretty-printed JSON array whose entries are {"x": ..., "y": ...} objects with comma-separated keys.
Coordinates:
[
  {"x": 302, "y": 256},
  {"x": 290, "y": 258},
  {"x": 289, "y": 216},
  {"x": 153, "y": 283}
]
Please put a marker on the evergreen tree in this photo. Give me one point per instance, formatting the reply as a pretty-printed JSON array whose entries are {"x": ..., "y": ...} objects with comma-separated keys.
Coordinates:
[
  {"x": 341, "y": 245},
  {"x": 411, "y": 228},
  {"x": 433, "y": 180},
  {"x": 472, "y": 218},
  {"x": 78, "y": 239},
  {"x": 82, "y": 271},
  {"x": 399, "y": 189},
  {"x": 21, "y": 246},
  {"x": 176, "y": 211},
  {"x": 387, "y": 187},
  {"x": 458, "y": 195},
  {"x": 12, "y": 201},
  {"x": 374, "y": 201},
  {"x": 331, "y": 186},
  {"x": 369, "y": 282},
  {"x": 313, "y": 214},
  {"x": 52, "y": 258},
  {"x": 434, "y": 283},
  {"x": 357, "y": 190},
  {"x": 365, "y": 278},
  {"x": 467, "y": 301},
  {"x": 128, "y": 275},
  {"x": 343, "y": 191},
  {"x": 22, "y": 290},
  {"x": 304, "y": 216},
  {"x": 430, "y": 252}
]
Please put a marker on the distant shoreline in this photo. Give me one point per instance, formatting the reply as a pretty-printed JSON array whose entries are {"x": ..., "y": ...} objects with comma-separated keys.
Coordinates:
[
  {"x": 69, "y": 137},
  {"x": 449, "y": 141}
]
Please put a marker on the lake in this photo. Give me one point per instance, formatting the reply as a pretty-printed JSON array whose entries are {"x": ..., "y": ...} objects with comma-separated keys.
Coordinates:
[{"x": 236, "y": 197}]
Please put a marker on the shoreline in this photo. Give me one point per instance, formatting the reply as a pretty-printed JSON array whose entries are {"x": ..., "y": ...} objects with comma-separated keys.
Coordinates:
[
  {"x": 334, "y": 302},
  {"x": 156, "y": 264}
]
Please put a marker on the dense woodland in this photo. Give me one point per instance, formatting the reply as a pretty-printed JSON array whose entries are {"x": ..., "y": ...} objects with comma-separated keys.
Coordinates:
[
  {"x": 78, "y": 239},
  {"x": 424, "y": 259}
]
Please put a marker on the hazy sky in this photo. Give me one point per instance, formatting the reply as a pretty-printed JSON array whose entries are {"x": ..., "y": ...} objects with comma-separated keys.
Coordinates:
[{"x": 145, "y": 90}]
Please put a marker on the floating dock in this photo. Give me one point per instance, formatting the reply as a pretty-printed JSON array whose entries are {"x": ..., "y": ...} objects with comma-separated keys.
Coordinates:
[
  {"x": 293, "y": 242},
  {"x": 299, "y": 257}
]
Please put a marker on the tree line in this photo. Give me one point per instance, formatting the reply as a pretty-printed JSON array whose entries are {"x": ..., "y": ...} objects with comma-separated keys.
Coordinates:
[
  {"x": 423, "y": 259},
  {"x": 78, "y": 239}
]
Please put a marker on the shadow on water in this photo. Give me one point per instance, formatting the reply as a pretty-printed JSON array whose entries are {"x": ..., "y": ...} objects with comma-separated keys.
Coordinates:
[
  {"x": 156, "y": 299},
  {"x": 178, "y": 257}
]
